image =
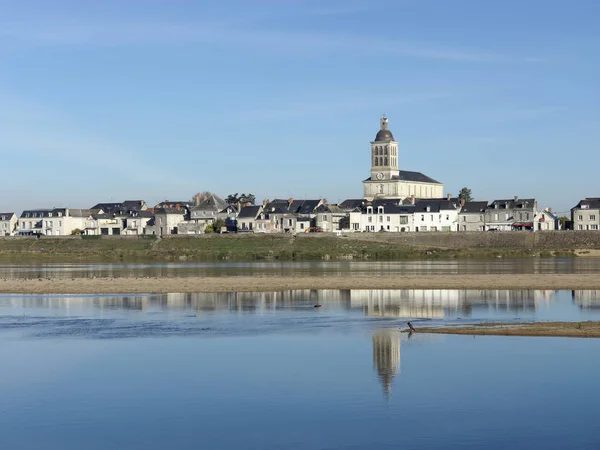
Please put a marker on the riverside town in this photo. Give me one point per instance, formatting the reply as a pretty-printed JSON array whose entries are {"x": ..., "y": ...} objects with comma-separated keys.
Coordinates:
[{"x": 394, "y": 201}]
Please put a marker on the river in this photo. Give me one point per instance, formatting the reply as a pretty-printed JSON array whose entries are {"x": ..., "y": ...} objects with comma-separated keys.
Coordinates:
[{"x": 271, "y": 371}]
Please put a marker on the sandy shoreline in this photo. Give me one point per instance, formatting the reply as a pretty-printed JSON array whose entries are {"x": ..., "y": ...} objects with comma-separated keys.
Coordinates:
[
  {"x": 131, "y": 285},
  {"x": 589, "y": 329}
]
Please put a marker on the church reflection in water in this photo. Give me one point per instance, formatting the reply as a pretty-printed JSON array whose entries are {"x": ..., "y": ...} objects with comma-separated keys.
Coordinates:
[{"x": 386, "y": 358}]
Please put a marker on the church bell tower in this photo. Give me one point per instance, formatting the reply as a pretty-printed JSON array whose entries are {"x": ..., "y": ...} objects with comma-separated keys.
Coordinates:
[{"x": 384, "y": 154}]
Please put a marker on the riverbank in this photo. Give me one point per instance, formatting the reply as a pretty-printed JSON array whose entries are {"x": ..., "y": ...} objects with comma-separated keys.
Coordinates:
[
  {"x": 589, "y": 329},
  {"x": 159, "y": 285},
  {"x": 301, "y": 247}
]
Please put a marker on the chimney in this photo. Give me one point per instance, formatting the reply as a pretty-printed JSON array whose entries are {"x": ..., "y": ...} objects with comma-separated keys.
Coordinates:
[
  {"x": 412, "y": 199},
  {"x": 265, "y": 201},
  {"x": 449, "y": 196},
  {"x": 462, "y": 202},
  {"x": 290, "y": 200},
  {"x": 549, "y": 210},
  {"x": 516, "y": 198},
  {"x": 324, "y": 201}
]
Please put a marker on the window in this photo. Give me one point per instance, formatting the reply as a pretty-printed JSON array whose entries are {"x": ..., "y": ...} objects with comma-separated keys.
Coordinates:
[
  {"x": 381, "y": 218},
  {"x": 579, "y": 217},
  {"x": 526, "y": 216},
  {"x": 580, "y": 227},
  {"x": 49, "y": 214},
  {"x": 388, "y": 218},
  {"x": 403, "y": 220},
  {"x": 376, "y": 162},
  {"x": 464, "y": 218},
  {"x": 60, "y": 223},
  {"x": 432, "y": 217},
  {"x": 355, "y": 227},
  {"x": 422, "y": 217},
  {"x": 593, "y": 227},
  {"x": 447, "y": 216},
  {"x": 370, "y": 219},
  {"x": 290, "y": 222},
  {"x": 592, "y": 217},
  {"x": 369, "y": 210},
  {"x": 496, "y": 217},
  {"x": 324, "y": 217},
  {"x": 301, "y": 226},
  {"x": 59, "y": 214},
  {"x": 464, "y": 228},
  {"x": 506, "y": 216},
  {"x": 433, "y": 228}
]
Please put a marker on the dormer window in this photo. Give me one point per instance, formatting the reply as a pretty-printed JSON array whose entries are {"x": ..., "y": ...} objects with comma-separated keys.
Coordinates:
[
  {"x": 380, "y": 210},
  {"x": 428, "y": 208},
  {"x": 49, "y": 214},
  {"x": 369, "y": 210},
  {"x": 59, "y": 214},
  {"x": 496, "y": 206}
]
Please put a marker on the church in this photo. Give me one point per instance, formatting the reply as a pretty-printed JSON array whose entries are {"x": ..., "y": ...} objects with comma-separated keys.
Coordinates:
[{"x": 387, "y": 181}]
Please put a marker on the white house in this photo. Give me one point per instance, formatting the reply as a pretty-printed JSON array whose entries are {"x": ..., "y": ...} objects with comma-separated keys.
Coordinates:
[
  {"x": 436, "y": 215},
  {"x": 53, "y": 222},
  {"x": 383, "y": 217},
  {"x": 8, "y": 223}
]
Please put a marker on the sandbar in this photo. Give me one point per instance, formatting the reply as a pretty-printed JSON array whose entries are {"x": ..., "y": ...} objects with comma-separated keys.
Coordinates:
[
  {"x": 589, "y": 329},
  {"x": 272, "y": 283}
]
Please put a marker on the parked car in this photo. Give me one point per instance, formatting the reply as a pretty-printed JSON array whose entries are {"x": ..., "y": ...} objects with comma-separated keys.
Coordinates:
[{"x": 314, "y": 230}]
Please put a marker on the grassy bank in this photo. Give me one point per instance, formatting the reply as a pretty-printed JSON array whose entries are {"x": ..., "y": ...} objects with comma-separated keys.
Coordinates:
[{"x": 251, "y": 247}]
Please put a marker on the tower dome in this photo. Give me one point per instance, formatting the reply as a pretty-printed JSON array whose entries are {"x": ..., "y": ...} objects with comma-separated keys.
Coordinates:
[{"x": 384, "y": 134}]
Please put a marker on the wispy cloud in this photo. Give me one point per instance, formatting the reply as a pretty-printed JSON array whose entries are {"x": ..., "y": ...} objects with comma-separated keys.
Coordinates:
[
  {"x": 236, "y": 33},
  {"x": 30, "y": 129},
  {"x": 339, "y": 103}
]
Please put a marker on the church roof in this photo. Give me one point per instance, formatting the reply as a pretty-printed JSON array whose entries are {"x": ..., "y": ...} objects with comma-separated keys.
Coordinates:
[
  {"x": 408, "y": 175},
  {"x": 384, "y": 135}
]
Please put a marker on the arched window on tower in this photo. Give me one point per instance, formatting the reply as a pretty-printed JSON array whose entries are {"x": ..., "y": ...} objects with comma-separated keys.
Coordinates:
[
  {"x": 381, "y": 161},
  {"x": 376, "y": 162},
  {"x": 386, "y": 161},
  {"x": 386, "y": 150}
]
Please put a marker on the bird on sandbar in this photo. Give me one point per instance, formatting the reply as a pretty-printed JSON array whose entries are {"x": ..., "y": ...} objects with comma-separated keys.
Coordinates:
[{"x": 410, "y": 326}]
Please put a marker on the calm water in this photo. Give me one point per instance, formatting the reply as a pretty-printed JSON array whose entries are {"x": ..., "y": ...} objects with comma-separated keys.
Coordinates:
[
  {"x": 270, "y": 371},
  {"x": 492, "y": 266}
]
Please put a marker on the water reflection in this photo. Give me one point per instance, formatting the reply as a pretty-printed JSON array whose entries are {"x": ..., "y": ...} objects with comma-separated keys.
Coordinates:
[
  {"x": 386, "y": 357},
  {"x": 587, "y": 299},
  {"x": 441, "y": 304},
  {"x": 321, "y": 268}
]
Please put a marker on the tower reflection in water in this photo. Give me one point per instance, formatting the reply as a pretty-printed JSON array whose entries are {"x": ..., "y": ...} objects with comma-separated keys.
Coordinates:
[{"x": 386, "y": 358}]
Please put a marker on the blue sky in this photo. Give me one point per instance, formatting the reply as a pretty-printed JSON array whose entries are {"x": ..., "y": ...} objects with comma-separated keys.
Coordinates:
[{"x": 159, "y": 99}]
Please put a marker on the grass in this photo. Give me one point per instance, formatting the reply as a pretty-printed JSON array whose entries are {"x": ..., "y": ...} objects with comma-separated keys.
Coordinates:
[{"x": 243, "y": 247}]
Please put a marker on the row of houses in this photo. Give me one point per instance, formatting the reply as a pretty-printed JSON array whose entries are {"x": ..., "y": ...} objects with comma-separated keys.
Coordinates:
[{"x": 410, "y": 214}]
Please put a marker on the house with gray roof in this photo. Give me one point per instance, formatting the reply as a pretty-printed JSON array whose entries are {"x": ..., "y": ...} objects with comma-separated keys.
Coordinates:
[
  {"x": 586, "y": 214},
  {"x": 332, "y": 217},
  {"x": 389, "y": 217},
  {"x": 8, "y": 223},
  {"x": 514, "y": 214},
  {"x": 436, "y": 215},
  {"x": 247, "y": 219},
  {"x": 472, "y": 216},
  {"x": 289, "y": 216},
  {"x": 166, "y": 221},
  {"x": 53, "y": 222}
]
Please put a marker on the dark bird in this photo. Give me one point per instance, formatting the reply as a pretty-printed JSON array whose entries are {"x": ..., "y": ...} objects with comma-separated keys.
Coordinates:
[
  {"x": 410, "y": 326},
  {"x": 318, "y": 306}
]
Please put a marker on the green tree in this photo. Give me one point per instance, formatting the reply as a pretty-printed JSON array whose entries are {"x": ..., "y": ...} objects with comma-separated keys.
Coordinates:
[
  {"x": 209, "y": 228},
  {"x": 465, "y": 194},
  {"x": 76, "y": 231},
  {"x": 217, "y": 224}
]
